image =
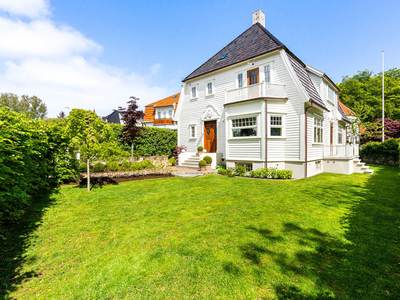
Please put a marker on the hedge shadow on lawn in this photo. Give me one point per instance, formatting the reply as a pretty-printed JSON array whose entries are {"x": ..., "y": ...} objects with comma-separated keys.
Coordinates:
[
  {"x": 368, "y": 267},
  {"x": 17, "y": 239}
]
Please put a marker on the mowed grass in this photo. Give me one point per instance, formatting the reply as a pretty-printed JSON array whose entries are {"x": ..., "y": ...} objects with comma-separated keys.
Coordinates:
[{"x": 212, "y": 237}]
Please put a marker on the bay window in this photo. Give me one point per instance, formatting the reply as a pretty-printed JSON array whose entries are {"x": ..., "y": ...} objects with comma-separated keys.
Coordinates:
[{"x": 244, "y": 127}]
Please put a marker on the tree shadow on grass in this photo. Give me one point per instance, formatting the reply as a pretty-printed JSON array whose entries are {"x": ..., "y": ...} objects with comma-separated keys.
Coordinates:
[
  {"x": 364, "y": 265},
  {"x": 17, "y": 240},
  {"x": 97, "y": 182}
]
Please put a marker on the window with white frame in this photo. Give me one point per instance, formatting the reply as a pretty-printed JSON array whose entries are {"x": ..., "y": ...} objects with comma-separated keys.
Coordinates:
[
  {"x": 170, "y": 113},
  {"x": 159, "y": 115},
  {"x": 340, "y": 135},
  {"x": 164, "y": 114},
  {"x": 247, "y": 166},
  {"x": 276, "y": 126},
  {"x": 240, "y": 80},
  {"x": 267, "y": 71},
  {"x": 331, "y": 94},
  {"x": 244, "y": 127},
  {"x": 194, "y": 92},
  {"x": 192, "y": 132},
  {"x": 210, "y": 88},
  {"x": 318, "y": 130}
]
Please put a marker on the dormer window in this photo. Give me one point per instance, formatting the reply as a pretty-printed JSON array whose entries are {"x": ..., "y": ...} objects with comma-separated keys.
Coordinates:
[{"x": 331, "y": 94}]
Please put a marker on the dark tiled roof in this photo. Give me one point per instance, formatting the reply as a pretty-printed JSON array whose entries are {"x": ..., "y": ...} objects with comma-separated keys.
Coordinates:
[
  {"x": 305, "y": 80},
  {"x": 253, "y": 42},
  {"x": 344, "y": 116}
]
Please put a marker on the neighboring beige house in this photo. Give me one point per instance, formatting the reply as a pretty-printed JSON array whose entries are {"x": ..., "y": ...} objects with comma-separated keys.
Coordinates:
[{"x": 256, "y": 104}]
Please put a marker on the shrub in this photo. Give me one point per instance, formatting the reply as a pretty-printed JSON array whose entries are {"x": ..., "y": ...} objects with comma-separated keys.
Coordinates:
[
  {"x": 146, "y": 164},
  {"x": 240, "y": 171},
  {"x": 202, "y": 163},
  {"x": 82, "y": 168},
  {"x": 265, "y": 173},
  {"x": 222, "y": 171},
  {"x": 172, "y": 160},
  {"x": 126, "y": 166},
  {"x": 255, "y": 173},
  {"x": 284, "y": 174},
  {"x": 273, "y": 173},
  {"x": 113, "y": 166},
  {"x": 136, "y": 166},
  {"x": 98, "y": 167},
  {"x": 221, "y": 167},
  {"x": 155, "y": 141},
  {"x": 388, "y": 149},
  {"x": 208, "y": 159},
  {"x": 230, "y": 172},
  {"x": 200, "y": 148}
]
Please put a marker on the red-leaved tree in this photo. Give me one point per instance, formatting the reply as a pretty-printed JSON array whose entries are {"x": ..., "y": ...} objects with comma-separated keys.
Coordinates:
[
  {"x": 132, "y": 117},
  {"x": 373, "y": 131}
]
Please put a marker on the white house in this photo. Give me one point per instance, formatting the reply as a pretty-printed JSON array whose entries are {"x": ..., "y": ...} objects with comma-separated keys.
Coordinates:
[
  {"x": 161, "y": 114},
  {"x": 257, "y": 104}
]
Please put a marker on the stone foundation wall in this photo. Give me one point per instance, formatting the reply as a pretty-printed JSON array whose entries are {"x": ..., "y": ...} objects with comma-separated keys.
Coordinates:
[
  {"x": 120, "y": 174},
  {"x": 388, "y": 161}
]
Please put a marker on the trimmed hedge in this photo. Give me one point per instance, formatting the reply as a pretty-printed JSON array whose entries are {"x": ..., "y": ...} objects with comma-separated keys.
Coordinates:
[
  {"x": 387, "y": 151},
  {"x": 155, "y": 141}
]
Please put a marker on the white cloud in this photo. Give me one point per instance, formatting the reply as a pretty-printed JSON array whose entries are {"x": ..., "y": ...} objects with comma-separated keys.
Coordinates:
[
  {"x": 57, "y": 64},
  {"x": 28, "y": 8}
]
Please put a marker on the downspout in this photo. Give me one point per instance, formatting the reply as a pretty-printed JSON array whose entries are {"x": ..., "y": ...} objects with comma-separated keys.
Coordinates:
[
  {"x": 266, "y": 132},
  {"x": 306, "y": 162}
]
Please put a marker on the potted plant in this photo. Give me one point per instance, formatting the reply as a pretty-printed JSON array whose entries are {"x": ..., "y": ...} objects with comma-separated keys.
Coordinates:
[
  {"x": 208, "y": 160},
  {"x": 202, "y": 165},
  {"x": 172, "y": 161},
  {"x": 200, "y": 150}
]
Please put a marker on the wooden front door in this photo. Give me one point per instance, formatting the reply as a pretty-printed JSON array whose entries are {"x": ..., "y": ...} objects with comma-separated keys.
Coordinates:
[{"x": 210, "y": 136}]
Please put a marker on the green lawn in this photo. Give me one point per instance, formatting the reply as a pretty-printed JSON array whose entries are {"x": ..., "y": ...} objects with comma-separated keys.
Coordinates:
[{"x": 214, "y": 237}]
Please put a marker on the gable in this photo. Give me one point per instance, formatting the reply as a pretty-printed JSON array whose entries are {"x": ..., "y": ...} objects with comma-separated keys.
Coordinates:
[
  {"x": 149, "y": 112},
  {"x": 253, "y": 42}
]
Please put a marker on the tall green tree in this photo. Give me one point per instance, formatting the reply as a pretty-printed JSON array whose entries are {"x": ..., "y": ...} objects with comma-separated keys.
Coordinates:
[
  {"x": 363, "y": 94},
  {"x": 86, "y": 130},
  {"x": 33, "y": 106}
]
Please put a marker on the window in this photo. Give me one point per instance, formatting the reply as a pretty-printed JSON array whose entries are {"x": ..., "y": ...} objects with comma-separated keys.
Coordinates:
[
  {"x": 244, "y": 127},
  {"x": 210, "y": 87},
  {"x": 240, "y": 80},
  {"x": 267, "y": 73},
  {"x": 247, "y": 166},
  {"x": 170, "y": 113},
  {"x": 159, "y": 115},
  {"x": 252, "y": 77},
  {"x": 194, "y": 92},
  {"x": 340, "y": 135},
  {"x": 192, "y": 131},
  {"x": 318, "y": 130},
  {"x": 331, "y": 94},
  {"x": 165, "y": 114},
  {"x": 223, "y": 56},
  {"x": 276, "y": 126}
]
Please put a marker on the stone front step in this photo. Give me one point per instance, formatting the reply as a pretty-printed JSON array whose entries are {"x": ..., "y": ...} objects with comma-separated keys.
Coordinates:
[{"x": 360, "y": 167}]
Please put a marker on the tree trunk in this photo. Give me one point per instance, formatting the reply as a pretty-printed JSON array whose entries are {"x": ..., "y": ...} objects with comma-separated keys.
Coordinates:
[
  {"x": 132, "y": 152},
  {"x": 88, "y": 175}
]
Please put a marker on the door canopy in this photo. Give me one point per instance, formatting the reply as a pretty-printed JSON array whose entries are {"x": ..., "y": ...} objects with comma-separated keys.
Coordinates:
[{"x": 210, "y": 113}]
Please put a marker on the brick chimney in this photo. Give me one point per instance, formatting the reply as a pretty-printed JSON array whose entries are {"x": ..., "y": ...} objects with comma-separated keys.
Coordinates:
[{"x": 259, "y": 16}]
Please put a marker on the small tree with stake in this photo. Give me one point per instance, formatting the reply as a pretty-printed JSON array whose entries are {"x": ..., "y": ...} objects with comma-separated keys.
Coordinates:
[{"x": 132, "y": 116}]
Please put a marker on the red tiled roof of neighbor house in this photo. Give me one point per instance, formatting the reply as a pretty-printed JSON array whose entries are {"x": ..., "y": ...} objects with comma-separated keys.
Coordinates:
[
  {"x": 150, "y": 111},
  {"x": 346, "y": 110}
]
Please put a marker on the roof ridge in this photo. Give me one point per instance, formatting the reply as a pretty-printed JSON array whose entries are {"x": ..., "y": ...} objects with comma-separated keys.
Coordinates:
[
  {"x": 269, "y": 34},
  {"x": 219, "y": 51}
]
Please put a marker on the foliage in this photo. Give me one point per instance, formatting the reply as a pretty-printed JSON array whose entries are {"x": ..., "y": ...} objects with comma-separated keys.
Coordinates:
[
  {"x": 240, "y": 171},
  {"x": 172, "y": 160},
  {"x": 136, "y": 166},
  {"x": 99, "y": 167},
  {"x": 202, "y": 163},
  {"x": 178, "y": 150},
  {"x": 125, "y": 166},
  {"x": 82, "y": 167},
  {"x": 113, "y": 166},
  {"x": 156, "y": 141},
  {"x": 61, "y": 115},
  {"x": 33, "y": 106},
  {"x": 146, "y": 164},
  {"x": 284, "y": 174},
  {"x": 131, "y": 117},
  {"x": 373, "y": 131},
  {"x": 33, "y": 159},
  {"x": 388, "y": 149},
  {"x": 220, "y": 167},
  {"x": 255, "y": 173},
  {"x": 200, "y": 148},
  {"x": 85, "y": 130},
  {"x": 208, "y": 159},
  {"x": 363, "y": 94}
]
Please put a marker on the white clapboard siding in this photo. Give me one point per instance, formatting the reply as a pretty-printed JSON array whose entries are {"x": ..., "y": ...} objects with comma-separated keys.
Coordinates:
[{"x": 245, "y": 149}]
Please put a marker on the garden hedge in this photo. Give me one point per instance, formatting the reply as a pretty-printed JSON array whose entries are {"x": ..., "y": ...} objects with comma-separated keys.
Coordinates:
[
  {"x": 388, "y": 151},
  {"x": 156, "y": 141}
]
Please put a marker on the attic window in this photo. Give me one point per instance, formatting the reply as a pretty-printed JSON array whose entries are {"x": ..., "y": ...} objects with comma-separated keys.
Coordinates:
[
  {"x": 175, "y": 96},
  {"x": 223, "y": 56}
]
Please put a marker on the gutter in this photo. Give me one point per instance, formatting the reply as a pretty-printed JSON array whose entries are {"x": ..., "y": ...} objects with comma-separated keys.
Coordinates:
[{"x": 306, "y": 161}]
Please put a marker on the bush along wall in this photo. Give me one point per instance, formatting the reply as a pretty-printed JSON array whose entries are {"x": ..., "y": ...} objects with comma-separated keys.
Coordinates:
[
  {"x": 33, "y": 159},
  {"x": 265, "y": 173},
  {"x": 386, "y": 153},
  {"x": 156, "y": 141}
]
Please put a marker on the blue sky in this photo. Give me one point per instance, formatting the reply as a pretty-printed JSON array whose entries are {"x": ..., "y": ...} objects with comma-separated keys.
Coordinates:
[{"x": 105, "y": 51}]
